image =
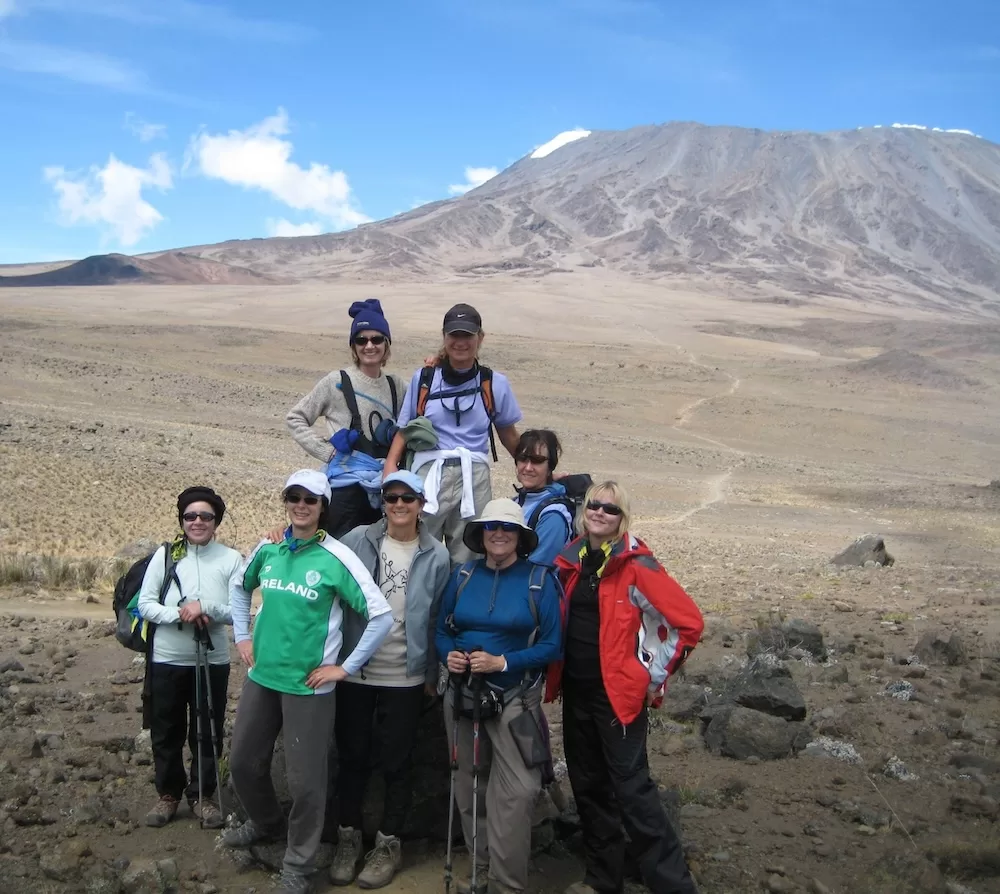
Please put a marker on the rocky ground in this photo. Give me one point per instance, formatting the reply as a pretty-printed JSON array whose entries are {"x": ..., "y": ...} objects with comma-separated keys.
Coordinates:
[{"x": 837, "y": 729}]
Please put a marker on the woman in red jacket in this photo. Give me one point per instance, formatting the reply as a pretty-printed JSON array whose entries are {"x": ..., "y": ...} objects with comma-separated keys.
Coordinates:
[{"x": 628, "y": 626}]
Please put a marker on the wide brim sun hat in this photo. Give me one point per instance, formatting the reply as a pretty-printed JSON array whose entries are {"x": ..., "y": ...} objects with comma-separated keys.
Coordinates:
[{"x": 505, "y": 512}]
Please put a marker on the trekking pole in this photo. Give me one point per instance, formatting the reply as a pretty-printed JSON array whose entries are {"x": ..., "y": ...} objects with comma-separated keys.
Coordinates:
[
  {"x": 198, "y": 732},
  {"x": 456, "y": 683},
  {"x": 476, "y": 685},
  {"x": 216, "y": 747}
]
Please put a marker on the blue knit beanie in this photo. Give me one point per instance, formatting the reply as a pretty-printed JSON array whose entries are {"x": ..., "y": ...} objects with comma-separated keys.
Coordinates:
[{"x": 368, "y": 314}]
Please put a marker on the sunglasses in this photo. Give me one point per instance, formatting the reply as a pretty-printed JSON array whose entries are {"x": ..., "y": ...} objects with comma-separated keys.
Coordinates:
[
  {"x": 393, "y": 499},
  {"x": 196, "y": 516},
  {"x": 608, "y": 508},
  {"x": 506, "y": 527},
  {"x": 308, "y": 499},
  {"x": 362, "y": 340},
  {"x": 535, "y": 459}
]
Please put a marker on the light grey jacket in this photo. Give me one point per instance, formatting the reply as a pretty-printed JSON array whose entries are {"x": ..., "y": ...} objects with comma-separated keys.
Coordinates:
[{"x": 426, "y": 582}]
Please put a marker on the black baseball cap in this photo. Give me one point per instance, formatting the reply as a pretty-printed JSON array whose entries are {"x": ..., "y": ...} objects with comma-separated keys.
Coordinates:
[{"x": 463, "y": 318}]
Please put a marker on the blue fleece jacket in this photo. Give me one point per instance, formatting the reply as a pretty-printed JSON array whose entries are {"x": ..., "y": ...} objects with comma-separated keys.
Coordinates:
[
  {"x": 554, "y": 526},
  {"x": 494, "y": 614}
]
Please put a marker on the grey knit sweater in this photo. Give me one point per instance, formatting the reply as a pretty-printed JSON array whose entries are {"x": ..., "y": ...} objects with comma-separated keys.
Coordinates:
[{"x": 327, "y": 400}]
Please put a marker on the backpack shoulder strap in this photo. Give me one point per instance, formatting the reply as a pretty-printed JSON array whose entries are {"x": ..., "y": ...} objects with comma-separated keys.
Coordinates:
[
  {"x": 393, "y": 398},
  {"x": 464, "y": 573},
  {"x": 169, "y": 571},
  {"x": 486, "y": 390},
  {"x": 351, "y": 399},
  {"x": 536, "y": 583},
  {"x": 424, "y": 388}
]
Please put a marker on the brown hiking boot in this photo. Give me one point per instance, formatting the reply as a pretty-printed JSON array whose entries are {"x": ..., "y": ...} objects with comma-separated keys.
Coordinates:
[
  {"x": 163, "y": 812},
  {"x": 210, "y": 815},
  {"x": 344, "y": 868},
  {"x": 382, "y": 862}
]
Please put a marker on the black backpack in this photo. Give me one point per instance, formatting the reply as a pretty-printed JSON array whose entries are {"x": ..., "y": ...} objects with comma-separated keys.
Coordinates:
[
  {"x": 133, "y": 631},
  {"x": 576, "y": 489},
  {"x": 364, "y": 443}
]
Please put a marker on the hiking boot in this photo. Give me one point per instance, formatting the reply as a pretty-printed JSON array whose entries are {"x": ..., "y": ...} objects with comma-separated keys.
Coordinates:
[
  {"x": 293, "y": 883},
  {"x": 210, "y": 815},
  {"x": 344, "y": 868},
  {"x": 163, "y": 812},
  {"x": 382, "y": 862},
  {"x": 245, "y": 835}
]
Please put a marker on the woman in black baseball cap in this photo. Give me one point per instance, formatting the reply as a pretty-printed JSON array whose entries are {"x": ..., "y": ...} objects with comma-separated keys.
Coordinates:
[{"x": 464, "y": 401}]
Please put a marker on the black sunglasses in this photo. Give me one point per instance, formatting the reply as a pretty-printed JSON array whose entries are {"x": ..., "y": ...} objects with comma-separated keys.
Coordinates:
[
  {"x": 194, "y": 516},
  {"x": 392, "y": 499},
  {"x": 506, "y": 527},
  {"x": 536, "y": 459},
  {"x": 308, "y": 499},
  {"x": 362, "y": 340},
  {"x": 609, "y": 508}
]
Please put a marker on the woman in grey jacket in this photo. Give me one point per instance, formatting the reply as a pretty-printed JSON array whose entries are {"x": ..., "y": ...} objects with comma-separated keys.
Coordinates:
[{"x": 412, "y": 568}]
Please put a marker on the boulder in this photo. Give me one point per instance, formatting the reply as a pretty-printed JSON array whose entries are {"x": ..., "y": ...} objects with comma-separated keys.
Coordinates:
[
  {"x": 938, "y": 647},
  {"x": 869, "y": 548},
  {"x": 773, "y": 694},
  {"x": 142, "y": 876},
  {"x": 742, "y": 733}
]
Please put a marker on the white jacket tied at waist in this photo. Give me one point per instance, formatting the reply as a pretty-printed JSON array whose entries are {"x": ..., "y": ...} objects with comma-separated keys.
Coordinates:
[{"x": 432, "y": 483}]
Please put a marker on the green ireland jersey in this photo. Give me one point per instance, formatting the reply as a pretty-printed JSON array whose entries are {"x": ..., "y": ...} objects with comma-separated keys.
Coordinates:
[{"x": 303, "y": 589}]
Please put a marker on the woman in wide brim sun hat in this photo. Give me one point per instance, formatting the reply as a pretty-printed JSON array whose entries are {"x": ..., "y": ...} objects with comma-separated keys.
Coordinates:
[{"x": 500, "y": 512}]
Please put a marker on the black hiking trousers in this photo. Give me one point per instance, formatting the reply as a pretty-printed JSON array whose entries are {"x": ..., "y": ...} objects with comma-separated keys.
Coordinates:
[
  {"x": 174, "y": 720},
  {"x": 609, "y": 773},
  {"x": 349, "y": 507}
]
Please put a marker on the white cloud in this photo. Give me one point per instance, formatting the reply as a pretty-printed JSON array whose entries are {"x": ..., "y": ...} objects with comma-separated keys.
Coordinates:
[
  {"x": 7, "y": 8},
  {"x": 557, "y": 142},
  {"x": 473, "y": 177},
  {"x": 111, "y": 197},
  {"x": 282, "y": 227},
  {"x": 257, "y": 158},
  {"x": 144, "y": 130}
]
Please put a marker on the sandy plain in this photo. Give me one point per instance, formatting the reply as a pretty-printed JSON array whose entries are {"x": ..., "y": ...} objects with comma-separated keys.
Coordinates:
[{"x": 758, "y": 436}]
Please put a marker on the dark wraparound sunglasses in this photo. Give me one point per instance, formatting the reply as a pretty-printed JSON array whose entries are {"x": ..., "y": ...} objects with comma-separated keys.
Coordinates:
[
  {"x": 609, "y": 508},
  {"x": 308, "y": 499},
  {"x": 536, "y": 459},
  {"x": 194, "y": 516},
  {"x": 506, "y": 527},
  {"x": 393, "y": 499},
  {"x": 362, "y": 340}
]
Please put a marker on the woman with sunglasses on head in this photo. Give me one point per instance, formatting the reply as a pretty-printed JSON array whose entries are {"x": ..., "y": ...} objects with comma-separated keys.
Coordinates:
[
  {"x": 464, "y": 402},
  {"x": 547, "y": 507},
  {"x": 203, "y": 572},
  {"x": 295, "y": 659},
  {"x": 497, "y": 630},
  {"x": 412, "y": 569},
  {"x": 628, "y": 626},
  {"x": 376, "y": 396}
]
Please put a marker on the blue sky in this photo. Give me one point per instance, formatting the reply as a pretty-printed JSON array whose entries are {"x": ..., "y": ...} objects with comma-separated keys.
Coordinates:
[{"x": 137, "y": 125}]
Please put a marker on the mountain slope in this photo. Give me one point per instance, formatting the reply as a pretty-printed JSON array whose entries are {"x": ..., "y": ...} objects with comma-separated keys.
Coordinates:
[
  {"x": 805, "y": 211},
  {"x": 169, "y": 268}
]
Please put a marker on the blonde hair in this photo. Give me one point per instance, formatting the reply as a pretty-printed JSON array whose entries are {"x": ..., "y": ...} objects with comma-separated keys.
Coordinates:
[{"x": 611, "y": 492}]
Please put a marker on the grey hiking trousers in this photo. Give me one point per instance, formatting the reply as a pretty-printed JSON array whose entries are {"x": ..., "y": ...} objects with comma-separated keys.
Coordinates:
[
  {"x": 306, "y": 722},
  {"x": 508, "y": 791}
]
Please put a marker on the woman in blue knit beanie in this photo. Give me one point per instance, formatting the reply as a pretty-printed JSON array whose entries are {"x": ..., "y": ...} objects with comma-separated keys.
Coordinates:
[{"x": 360, "y": 408}]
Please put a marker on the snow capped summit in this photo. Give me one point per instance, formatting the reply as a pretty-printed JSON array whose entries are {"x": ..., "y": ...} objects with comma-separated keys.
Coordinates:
[{"x": 557, "y": 142}]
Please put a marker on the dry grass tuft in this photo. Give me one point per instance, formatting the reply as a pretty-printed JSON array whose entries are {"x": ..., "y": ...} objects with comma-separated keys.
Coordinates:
[{"x": 59, "y": 573}]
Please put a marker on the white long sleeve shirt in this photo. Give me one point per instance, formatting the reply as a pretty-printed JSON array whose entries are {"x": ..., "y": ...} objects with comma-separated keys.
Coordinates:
[{"x": 205, "y": 574}]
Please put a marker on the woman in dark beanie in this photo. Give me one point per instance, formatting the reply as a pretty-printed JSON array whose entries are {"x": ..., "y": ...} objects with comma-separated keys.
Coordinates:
[
  {"x": 360, "y": 408},
  {"x": 204, "y": 570}
]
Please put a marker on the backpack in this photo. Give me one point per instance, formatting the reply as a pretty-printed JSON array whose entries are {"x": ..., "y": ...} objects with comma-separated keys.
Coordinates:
[
  {"x": 364, "y": 444},
  {"x": 133, "y": 631},
  {"x": 576, "y": 489},
  {"x": 484, "y": 388}
]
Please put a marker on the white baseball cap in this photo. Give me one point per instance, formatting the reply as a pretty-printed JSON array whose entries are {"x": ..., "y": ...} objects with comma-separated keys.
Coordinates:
[{"x": 310, "y": 480}]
